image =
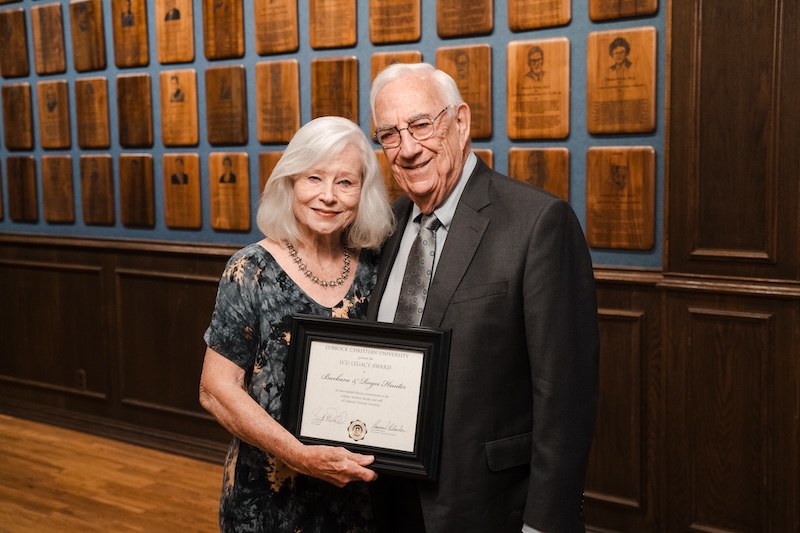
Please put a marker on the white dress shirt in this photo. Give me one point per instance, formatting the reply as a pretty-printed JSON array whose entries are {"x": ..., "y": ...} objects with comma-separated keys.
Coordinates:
[{"x": 444, "y": 213}]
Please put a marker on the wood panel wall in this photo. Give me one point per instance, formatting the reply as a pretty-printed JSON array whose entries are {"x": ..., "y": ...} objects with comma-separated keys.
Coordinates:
[{"x": 106, "y": 336}]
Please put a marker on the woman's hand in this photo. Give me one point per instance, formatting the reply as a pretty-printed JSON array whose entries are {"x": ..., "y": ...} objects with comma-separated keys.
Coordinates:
[{"x": 332, "y": 464}]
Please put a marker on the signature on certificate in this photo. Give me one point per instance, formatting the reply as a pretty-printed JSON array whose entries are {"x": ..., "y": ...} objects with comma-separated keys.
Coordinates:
[{"x": 329, "y": 414}]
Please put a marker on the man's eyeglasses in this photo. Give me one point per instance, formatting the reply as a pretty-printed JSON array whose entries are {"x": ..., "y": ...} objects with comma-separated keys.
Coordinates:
[{"x": 420, "y": 130}]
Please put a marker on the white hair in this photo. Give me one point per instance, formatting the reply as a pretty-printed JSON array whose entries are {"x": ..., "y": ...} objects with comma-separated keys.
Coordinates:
[{"x": 321, "y": 139}]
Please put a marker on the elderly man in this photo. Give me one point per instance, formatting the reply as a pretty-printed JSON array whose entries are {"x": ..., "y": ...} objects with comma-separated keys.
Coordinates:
[{"x": 512, "y": 278}]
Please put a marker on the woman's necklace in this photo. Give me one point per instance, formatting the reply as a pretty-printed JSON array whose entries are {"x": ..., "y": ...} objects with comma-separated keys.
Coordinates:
[{"x": 310, "y": 275}]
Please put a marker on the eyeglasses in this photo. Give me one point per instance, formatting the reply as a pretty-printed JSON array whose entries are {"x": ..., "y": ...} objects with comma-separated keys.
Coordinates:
[{"x": 420, "y": 129}]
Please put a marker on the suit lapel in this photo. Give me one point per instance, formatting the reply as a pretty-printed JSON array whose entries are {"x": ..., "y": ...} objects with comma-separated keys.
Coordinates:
[{"x": 463, "y": 239}]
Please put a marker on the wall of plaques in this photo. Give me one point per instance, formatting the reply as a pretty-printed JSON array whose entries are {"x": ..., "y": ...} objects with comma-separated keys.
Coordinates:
[{"x": 151, "y": 120}]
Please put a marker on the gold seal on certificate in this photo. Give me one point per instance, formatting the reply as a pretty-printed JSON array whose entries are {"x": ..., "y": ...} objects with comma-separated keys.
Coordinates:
[
  {"x": 375, "y": 388},
  {"x": 357, "y": 430}
]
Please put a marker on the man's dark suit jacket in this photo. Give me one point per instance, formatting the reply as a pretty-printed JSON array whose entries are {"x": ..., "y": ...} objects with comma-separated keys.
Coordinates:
[{"x": 515, "y": 284}]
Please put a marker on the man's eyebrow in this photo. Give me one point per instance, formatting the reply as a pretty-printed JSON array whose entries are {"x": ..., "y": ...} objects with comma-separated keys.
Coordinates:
[{"x": 412, "y": 118}]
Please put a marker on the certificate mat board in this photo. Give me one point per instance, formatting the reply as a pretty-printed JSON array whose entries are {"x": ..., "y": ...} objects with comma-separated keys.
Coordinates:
[{"x": 374, "y": 388}]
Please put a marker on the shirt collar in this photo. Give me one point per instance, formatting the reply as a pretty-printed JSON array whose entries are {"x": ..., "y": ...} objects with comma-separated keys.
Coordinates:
[{"x": 447, "y": 210}]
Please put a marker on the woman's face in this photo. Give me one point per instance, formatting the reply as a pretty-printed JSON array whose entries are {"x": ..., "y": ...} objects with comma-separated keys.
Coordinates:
[{"x": 326, "y": 196}]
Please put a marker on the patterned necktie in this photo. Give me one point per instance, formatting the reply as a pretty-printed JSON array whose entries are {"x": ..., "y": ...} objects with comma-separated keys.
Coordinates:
[{"x": 417, "y": 276}]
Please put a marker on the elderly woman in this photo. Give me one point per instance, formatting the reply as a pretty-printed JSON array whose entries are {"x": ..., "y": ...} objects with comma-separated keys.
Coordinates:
[{"x": 324, "y": 212}]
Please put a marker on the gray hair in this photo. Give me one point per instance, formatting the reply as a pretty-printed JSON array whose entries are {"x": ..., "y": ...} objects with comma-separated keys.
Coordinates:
[
  {"x": 319, "y": 140},
  {"x": 443, "y": 82}
]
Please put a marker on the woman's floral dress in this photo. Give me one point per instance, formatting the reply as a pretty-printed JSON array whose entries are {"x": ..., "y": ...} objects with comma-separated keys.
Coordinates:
[{"x": 251, "y": 326}]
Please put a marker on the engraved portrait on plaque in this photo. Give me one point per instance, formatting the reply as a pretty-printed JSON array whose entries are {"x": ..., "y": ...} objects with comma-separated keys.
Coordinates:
[
  {"x": 538, "y": 89},
  {"x": 182, "y": 190},
  {"x": 179, "y": 122},
  {"x": 97, "y": 190},
  {"x": 277, "y": 100},
  {"x": 131, "y": 47},
  {"x": 174, "y": 31},
  {"x": 48, "y": 39},
  {"x": 276, "y": 26},
  {"x": 88, "y": 35},
  {"x": 620, "y": 197},
  {"x": 230, "y": 191},
  {"x": 53, "y": 114},
  {"x": 91, "y": 103},
  {"x": 546, "y": 168},
  {"x": 226, "y": 105},
  {"x": 621, "y": 88},
  {"x": 613, "y": 9},
  {"x": 471, "y": 68},
  {"x": 458, "y": 18},
  {"x": 57, "y": 191},
  {"x": 394, "y": 21},
  {"x": 530, "y": 14}
]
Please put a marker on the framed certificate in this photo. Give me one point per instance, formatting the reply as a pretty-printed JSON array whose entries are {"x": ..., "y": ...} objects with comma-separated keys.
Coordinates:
[{"x": 374, "y": 388}]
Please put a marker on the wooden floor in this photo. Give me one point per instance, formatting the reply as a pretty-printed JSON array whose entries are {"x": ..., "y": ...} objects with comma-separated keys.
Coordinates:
[{"x": 54, "y": 479}]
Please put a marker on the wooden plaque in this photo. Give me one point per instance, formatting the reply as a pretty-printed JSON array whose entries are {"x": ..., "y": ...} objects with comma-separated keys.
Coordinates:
[
  {"x": 91, "y": 99},
  {"x": 621, "y": 81},
  {"x": 332, "y": 23},
  {"x": 392, "y": 187},
  {"x": 276, "y": 26},
  {"x": 223, "y": 29},
  {"x": 136, "y": 203},
  {"x": 131, "y": 47},
  {"x": 613, "y": 9},
  {"x": 182, "y": 191},
  {"x": 394, "y": 21},
  {"x": 21, "y": 187},
  {"x": 48, "y": 39},
  {"x": 538, "y": 89},
  {"x": 230, "y": 191},
  {"x": 14, "y": 43},
  {"x": 620, "y": 197},
  {"x": 58, "y": 195},
  {"x": 471, "y": 68},
  {"x": 277, "y": 100},
  {"x": 53, "y": 114},
  {"x": 179, "y": 123},
  {"x": 226, "y": 105},
  {"x": 175, "y": 31},
  {"x": 17, "y": 116},
  {"x": 486, "y": 155},
  {"x": 381, "y": 60},
  {"x": 334, "y": 87},
  {"x": 134, "y": 110},
  {"x": 530, "y": 14},
  {"x": 456, "y": 18},
  {"x": 88, "y": 35},
  {"x": 546, "y": 168},
  {"x": 266, "y": 164},
  {"x": 97, "y": 190}
]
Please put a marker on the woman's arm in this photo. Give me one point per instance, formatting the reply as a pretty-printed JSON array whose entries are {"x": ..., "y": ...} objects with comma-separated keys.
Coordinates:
[{"x": 223, "y": 395}]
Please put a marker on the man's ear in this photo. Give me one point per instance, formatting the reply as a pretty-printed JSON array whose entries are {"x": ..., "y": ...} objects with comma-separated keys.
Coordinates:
[{"x": 463, "y": 120}]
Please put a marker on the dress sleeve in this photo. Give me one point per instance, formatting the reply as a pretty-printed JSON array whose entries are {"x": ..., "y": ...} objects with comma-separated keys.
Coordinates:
[{"x": 234, "y": 329}]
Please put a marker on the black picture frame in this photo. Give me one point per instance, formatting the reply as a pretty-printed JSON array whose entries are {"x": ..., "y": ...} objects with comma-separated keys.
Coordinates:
[{"x": 422, "y": 462}]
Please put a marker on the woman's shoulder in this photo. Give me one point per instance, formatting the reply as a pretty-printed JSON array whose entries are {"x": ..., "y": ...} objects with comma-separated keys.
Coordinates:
[{"x": 252, "y": 258}]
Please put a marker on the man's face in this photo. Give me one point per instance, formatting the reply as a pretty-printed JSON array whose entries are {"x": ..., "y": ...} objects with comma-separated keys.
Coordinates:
[
  {"x": 536, "y": 61},
  {"x": 620, "y": 54},
  {"x": 426, "y": 170}
]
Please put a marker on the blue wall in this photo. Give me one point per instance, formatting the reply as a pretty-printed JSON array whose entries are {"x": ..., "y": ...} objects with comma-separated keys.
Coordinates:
[{"x": 578, "y": 141}]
